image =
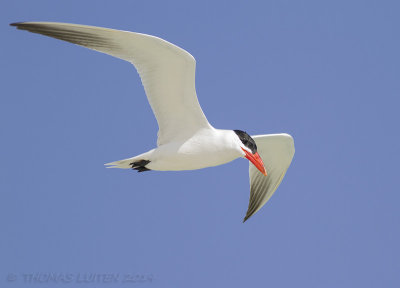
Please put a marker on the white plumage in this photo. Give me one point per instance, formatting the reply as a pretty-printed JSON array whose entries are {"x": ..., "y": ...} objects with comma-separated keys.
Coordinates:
[{"x": 186, "y": 140}]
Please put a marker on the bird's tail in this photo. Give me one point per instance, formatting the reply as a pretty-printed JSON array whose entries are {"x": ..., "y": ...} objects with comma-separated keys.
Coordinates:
[
  {"x": 137, "y": 162},
  {"x": 122, "y": 164}
]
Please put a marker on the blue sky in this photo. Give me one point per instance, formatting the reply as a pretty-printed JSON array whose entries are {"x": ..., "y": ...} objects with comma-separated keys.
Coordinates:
[{"x": 327, "y": 72}]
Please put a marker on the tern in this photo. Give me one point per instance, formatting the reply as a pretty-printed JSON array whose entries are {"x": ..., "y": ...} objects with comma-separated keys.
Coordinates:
[{"x": 186, "y": 140}]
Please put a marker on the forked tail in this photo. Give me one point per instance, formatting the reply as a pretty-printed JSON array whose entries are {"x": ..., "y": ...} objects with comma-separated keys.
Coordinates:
[{"x": 136, "y": 163}]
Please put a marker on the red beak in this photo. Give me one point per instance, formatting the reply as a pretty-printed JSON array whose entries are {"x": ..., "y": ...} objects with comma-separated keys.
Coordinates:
[{"x": 256, "y": 160}]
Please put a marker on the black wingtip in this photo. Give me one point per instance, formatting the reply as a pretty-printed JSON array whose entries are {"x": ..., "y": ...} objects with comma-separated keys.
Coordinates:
[{"x": 16, "y": 24}]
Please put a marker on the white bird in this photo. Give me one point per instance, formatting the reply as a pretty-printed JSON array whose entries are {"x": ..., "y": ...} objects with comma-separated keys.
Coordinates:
[{"x": 186, "y": 140}]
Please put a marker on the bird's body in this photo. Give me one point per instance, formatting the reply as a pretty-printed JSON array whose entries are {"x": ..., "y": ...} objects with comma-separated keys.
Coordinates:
[
  {"x": 206, "y": 148},
  {"x": 186, "y": 140}
]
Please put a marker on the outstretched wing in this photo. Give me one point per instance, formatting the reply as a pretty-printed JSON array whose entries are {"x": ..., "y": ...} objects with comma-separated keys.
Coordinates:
[
  {"x": 276, "y": 151},
  {"x": 167, "y": 71}
]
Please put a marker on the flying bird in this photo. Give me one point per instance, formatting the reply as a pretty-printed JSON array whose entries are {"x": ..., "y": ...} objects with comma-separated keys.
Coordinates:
[{"x": 186, "y": 140}]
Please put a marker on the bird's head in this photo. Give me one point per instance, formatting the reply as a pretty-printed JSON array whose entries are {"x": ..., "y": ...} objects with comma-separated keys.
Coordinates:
[{"x": 249, "y": 148}]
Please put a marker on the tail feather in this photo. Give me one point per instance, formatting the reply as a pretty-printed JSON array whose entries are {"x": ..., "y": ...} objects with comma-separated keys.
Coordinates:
[
  {"x": 122, "y": 164},
  {"x": 137, "y": 163}
]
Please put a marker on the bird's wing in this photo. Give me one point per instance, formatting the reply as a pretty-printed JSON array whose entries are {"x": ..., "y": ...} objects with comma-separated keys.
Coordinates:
[
  {"x": 276, "y": 151},
  {"x": 167, "y": 71}
]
